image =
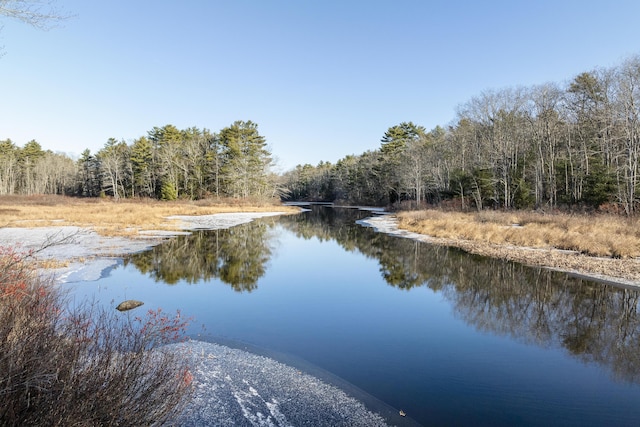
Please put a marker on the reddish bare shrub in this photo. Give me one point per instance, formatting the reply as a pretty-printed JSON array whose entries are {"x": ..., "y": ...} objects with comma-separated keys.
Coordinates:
[{"x": 84, "y": 366}]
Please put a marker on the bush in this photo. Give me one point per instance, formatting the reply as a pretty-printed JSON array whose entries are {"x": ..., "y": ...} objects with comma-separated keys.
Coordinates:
[{"x": 82, "y": 366}]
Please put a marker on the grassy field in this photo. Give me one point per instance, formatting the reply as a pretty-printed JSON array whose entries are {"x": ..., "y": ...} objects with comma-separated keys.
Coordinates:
[
  {"x": 124, "y": 217},
  {"x": 594, "y": 235},
  {"x": 603, "y": 246}
]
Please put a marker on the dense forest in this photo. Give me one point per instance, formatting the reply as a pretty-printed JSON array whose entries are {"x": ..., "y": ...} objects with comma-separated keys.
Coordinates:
[
  {"x": 575, "y": 146},
  {"x": 166, "y": 164}
]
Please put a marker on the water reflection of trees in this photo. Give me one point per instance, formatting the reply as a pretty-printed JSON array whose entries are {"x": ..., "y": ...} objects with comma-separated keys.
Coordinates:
[
  {"x": 592, "y": 321},
  {"x": 237, "y": 256}
]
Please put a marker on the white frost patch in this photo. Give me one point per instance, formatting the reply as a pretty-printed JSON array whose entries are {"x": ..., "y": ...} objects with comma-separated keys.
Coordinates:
[
  {"x": 387, "y": 224},
  {"x": 219, "y": 221},
  {"x": 251, "y": 405},
  {"x": 82, "y": 253},
  {"x": 88, "y": 255},
  {"x": 84, "y": 272},
  {"x": 274, "y": 409},
  {"x": 260, "y": 391}
]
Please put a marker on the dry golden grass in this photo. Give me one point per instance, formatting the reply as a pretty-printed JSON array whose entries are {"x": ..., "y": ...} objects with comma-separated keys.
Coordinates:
[
  {"x": 52, "y": 263},
  {"x": 593, "y": 235},
  {"x": 125, "y": 217},
  {"x": 601, "y": 246}
]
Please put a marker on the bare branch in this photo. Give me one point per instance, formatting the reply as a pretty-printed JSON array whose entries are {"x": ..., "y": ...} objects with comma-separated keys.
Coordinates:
[{"x": 41, "y": 14}]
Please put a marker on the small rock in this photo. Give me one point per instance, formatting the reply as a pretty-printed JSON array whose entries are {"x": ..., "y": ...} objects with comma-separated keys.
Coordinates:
[{"x": 129, "y": 304}]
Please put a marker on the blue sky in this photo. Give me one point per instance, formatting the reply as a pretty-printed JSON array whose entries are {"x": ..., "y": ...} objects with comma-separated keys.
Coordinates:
[{"x": 323, "y": 79}]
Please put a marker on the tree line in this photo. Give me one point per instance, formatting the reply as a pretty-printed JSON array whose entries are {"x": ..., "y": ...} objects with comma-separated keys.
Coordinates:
[
  {"x": 166, "y": 164},
  {"x": 546, "y": 146}
]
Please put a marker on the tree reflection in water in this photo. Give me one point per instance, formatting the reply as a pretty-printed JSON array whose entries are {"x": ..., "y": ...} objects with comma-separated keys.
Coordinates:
[
  {"x": 237, "y": 256},
  {"x": 594, "y": 322}
]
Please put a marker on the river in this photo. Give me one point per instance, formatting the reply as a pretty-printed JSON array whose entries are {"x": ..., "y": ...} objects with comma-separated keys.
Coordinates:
[{"x": 449, "y": 338}]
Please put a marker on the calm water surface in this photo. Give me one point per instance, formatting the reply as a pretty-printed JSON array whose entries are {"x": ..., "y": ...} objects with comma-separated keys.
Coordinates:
[{"x": 450, "y": 338}]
